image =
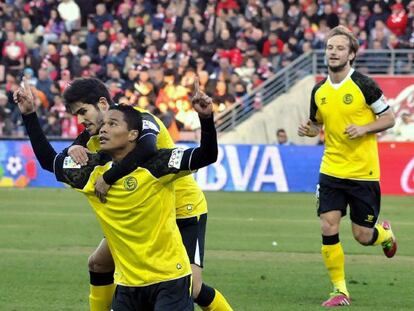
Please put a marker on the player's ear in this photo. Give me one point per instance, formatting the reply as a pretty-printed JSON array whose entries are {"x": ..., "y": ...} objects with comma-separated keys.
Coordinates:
[
  {"x": 133, "y": 135},
  {"x": 103, "y": 104},
  {"x": 351, "y": 56}
]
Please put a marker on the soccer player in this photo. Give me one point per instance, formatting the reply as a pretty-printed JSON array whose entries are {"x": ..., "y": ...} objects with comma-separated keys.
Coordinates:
[
  {"x": 352, "y": 109},
  {"x": 89, "y": 99},
  {"x": 138, "y": 218}
]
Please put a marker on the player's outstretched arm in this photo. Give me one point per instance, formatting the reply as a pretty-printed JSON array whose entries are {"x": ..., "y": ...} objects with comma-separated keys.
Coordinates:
[
  {"x": 45, "y": 154},
  {"x": 207, "y": 152}
]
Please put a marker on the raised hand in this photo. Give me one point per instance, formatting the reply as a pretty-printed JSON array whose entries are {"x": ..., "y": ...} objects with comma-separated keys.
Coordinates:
[
  {"x": 24, "y": 98},
  {"x": 201, "y": 102}
]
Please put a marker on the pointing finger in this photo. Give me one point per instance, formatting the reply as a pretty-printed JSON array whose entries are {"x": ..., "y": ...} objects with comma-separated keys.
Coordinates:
[
  {"x": 26, "y": 85},
  {"x": 196, "y": 86}
]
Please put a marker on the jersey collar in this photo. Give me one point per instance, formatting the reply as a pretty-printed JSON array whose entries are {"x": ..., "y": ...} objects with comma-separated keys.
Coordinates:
[{"x": 338, "y": 85}]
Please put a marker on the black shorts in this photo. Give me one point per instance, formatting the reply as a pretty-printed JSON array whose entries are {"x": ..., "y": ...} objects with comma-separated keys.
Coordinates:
[
  {"x": 174, "y": 295},
  {"x": 363, "y": 198},
  {"x": 193, "y": 232}
]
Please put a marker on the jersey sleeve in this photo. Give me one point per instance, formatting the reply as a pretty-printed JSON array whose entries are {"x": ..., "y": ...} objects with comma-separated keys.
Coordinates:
[
  {"x": 372, "y": 93},
  {"x": 314, "y": 115},
  {"x": 149, "y": 126},
  {"x": 62, "y": 165},
  {"x": 177, "y": 160},
  {"x": 68, "y": 171}
]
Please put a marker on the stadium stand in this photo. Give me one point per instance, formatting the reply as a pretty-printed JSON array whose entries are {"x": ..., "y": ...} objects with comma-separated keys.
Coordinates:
[{"x": 148, "y": 52}]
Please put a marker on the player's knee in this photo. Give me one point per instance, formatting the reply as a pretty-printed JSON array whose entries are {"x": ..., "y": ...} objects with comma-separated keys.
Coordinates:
[
  {"x": 363, "y": 237},
  {"x": 99, "y": 265},
  {"x": 329, "y": 228}
]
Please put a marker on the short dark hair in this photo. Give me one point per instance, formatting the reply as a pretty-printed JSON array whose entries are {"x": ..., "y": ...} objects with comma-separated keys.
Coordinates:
[
  {"x": 279, "y": 131},
  {"x": 86, "y": 90},
  {"x": 132, "y": 116}
]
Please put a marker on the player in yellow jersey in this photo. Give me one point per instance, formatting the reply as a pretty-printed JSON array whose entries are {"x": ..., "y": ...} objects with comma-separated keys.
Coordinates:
[
  {"x": 138, "y": 217},
  {"x": 352, "y": 109},
  {"x": 89, "y": 99}
]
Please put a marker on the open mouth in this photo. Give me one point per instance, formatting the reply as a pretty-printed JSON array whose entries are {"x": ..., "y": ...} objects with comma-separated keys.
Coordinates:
[{"x": 103, "y": 140}]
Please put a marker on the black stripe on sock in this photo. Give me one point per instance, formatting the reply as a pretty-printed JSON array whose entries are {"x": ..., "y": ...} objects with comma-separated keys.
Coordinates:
[
  {"x": 330, "y": 239},
  {"x": 374, "y": 237},
  {"x": 101, "y": 279},
  {"x": 206, "y": 296}
]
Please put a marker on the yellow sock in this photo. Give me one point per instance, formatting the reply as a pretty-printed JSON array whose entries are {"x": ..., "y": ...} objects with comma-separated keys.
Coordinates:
[
  {"x": 334, "y": 259},
  {"x": 100, "y": 297},
  {"x": 383, "y": 235},
  {"x": 219, "y": 303}
]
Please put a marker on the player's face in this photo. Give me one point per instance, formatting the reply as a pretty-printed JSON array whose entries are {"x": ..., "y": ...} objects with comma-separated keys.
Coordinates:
[
  {"x": 338, "y": 54},
  {"x": 114, "y": 134},
  {"x": 88, "y": 115}
]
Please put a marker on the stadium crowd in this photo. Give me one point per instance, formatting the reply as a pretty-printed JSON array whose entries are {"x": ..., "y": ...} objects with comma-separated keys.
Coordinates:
[{"x": 148, "y": 52}]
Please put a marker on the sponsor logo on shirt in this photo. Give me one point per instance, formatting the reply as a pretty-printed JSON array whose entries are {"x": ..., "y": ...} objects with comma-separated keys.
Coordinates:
[
  {"x": 175, "y": 158},
  {"x": 347, "y": 99},
  {"x": 130, "y": 183},
  {"x": 370, "y": 218},
  {"x": 69, "y": 163}
]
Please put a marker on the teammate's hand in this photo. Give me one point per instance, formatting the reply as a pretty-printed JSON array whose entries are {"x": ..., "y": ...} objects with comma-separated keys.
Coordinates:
[
  {"x": 79, "y": 154},
  {"x": 308, "y": 129},
  {"x": 24, "y": 98},
  {"x": 354, "y": 131},
  {"x": 201, "y": 102},
  {"x": 101, "y": 189}
]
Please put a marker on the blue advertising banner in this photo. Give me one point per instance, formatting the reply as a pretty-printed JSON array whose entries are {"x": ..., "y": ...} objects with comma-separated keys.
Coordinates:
[{"x": 238, "y": 168}]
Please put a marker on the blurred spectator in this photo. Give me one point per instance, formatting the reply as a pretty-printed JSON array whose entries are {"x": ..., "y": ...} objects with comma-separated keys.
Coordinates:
[
  {"x": 14, "y": 52},
  {"x": 102, "y": 17},
  {"x": 148, "y": 52},
  {"x": 54, "y": 28},
  {"x": 28, "y": 74},
  {"x": 281, "y": 137},
  {"x": 272, "y": 46},
  {"x": 6, "y": 125},
  {"x": 70, "y": 13},
  {"x": 329, "y": 16},
  {"x": 187, "y": 118},
  {"x": 397, "y": 21},
  {"x": 404, "y": 130},
  {"x": 167, "y": 117},
  {"x": 52, "y": 127}
]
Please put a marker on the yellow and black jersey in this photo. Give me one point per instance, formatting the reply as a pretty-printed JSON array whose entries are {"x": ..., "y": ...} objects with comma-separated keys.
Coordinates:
[
  {"x": 190, "y": 199},
  {"x": 138, "y": 219},
  {"x": 356, "y": 100}
]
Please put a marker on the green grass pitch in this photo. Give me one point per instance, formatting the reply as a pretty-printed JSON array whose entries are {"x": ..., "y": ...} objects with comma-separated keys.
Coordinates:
[{"x": 262, "y": 252}]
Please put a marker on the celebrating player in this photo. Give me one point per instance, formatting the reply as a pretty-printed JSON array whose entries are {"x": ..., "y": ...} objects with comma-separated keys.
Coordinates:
[
  {"x": 89, "y": 99},
  {"x": 152, "y": 269},
  {"x": 352, "y": 109}
]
